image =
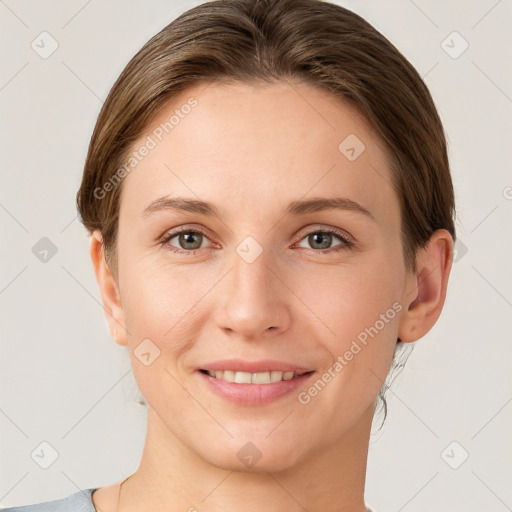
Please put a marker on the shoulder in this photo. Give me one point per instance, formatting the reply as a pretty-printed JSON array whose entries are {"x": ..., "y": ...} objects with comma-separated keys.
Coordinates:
[{"x": 80, "y": 501}]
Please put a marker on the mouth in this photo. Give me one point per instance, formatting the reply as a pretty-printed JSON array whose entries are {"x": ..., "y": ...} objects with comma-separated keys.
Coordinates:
[
  {"x": 253, "y": 383},
  {"x": 254, "y": 389},
  {"x": 268, "y": 377}
]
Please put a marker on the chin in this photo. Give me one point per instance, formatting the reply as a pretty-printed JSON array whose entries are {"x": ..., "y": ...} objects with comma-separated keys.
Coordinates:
[{"x": 253, "y": 454}]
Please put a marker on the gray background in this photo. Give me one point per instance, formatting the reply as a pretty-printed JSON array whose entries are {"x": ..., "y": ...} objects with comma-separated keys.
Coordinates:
[{"x": 65, "y": 382}]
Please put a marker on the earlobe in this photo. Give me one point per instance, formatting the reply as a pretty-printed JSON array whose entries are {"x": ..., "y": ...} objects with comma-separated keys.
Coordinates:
[
  {"x": 108, "y": 289},
  {"x": 425, "y": 297}
]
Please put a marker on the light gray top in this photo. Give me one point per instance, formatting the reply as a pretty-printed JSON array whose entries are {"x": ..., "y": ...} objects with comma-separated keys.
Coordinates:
[{"x": 81, "y": 501}]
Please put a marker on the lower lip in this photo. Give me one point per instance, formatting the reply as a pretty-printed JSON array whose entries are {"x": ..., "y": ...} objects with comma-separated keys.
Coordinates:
[{"x": 253, "y": 394}]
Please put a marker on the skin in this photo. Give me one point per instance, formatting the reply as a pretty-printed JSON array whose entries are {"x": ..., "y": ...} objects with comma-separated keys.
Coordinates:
[{"x": 252, "y": 150}]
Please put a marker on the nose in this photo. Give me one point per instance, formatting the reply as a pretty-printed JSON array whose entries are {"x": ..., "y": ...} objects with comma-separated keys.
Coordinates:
[{"x": 253, "y": 302}]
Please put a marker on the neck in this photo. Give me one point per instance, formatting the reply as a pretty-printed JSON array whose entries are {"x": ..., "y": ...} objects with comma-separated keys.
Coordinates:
[{"x": 172, "y": 477}]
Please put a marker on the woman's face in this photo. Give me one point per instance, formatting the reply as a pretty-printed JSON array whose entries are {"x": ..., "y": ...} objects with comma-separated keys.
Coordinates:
[{"x": 257, "y": 281}]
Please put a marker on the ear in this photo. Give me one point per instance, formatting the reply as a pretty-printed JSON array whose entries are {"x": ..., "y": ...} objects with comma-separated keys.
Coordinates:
[
  {"x": 426, "y": 289},
  {"x": 109, "y": 290}
]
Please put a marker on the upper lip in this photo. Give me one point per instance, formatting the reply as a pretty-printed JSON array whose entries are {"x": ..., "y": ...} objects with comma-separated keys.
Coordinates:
[{"x": 239, "y": 365}]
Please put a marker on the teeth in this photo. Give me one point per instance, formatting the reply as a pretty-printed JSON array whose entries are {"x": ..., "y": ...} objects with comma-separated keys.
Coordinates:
[
  {"x": 252, "y": 378},
  {"x": 276, "y": 376},
  {"x": 241, "y": 377},
  {"x": 228, "y": 375}
]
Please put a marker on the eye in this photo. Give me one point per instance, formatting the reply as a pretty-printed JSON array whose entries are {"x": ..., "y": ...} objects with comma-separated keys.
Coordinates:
[
  {"x": 188, "y": 241},
  {"x": 321, "y": 240}
]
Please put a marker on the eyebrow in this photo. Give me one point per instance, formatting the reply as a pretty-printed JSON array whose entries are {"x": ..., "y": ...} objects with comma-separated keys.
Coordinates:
[{"x": 301, "y": 207}]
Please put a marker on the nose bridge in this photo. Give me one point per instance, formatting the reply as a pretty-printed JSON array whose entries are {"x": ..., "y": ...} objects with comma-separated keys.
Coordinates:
[
  {"x": 253, "y": 299},
  {"x": 251, "y": 269}
]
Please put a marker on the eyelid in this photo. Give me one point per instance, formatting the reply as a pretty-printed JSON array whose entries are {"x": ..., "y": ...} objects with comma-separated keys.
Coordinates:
[
  {"x": 314, "y": 228},
  {"x": 186, "y": 228},
  {"x": 164, "y": 241}
]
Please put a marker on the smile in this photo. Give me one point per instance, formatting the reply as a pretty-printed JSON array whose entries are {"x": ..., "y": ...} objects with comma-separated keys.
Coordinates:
[{"x": 253, "y": 378}]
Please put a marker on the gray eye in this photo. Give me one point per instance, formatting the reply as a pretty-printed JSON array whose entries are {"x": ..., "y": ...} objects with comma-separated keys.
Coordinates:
[
  {"x": 320, "y": 240},
  {"x": 189, "y": 240}
]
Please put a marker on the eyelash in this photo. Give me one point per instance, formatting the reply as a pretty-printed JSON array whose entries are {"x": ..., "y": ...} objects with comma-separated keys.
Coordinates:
[{"x": 347, "y": 242}]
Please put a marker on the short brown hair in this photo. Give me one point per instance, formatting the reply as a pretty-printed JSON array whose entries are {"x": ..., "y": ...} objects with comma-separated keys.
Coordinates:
[{"x": 305, "y": 41}]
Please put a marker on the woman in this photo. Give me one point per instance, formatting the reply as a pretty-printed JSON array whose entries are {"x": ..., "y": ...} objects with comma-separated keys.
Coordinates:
[{"x": 269, "y": 197}]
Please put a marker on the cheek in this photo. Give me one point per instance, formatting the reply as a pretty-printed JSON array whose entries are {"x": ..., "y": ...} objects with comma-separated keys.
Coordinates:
[
  {"x": 362, "y": 309},
  {"x": 165, "y": 303},
  {"x": 352, "y": 299},
  {"x": 164, "y": 292},
  {"x": 162, "y": 307}
]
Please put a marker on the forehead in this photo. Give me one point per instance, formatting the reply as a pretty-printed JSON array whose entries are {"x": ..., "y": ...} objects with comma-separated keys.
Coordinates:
[{"x": 259, "y": 145}]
